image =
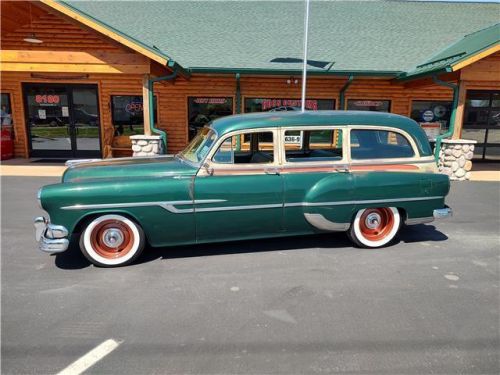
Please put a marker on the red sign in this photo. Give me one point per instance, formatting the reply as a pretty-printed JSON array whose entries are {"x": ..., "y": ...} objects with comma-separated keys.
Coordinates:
[
  {"x": 210, "y": 100},
  {"x": 273, "y": 103},
  {"x": 47, "y": 99},
  {"x": 134, "y": 107}
]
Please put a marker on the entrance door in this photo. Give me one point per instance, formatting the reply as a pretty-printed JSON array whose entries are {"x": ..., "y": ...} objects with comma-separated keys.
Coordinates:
[
  {"x": 63, "y": 120},
  {"x": 482, "y": 123}
]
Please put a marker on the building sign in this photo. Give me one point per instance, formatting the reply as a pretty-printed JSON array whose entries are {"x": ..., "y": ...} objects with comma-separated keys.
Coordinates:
[
  {"x": 428, "y": 115},
  {"x": 368, "y": 105},
  {"x": 47, "y": 99},
  {"x": 134, "y": 107},
  {"x": 279, "y": 105},
  {"x": 210, "y": 100},
  {"x": 432, "y": 129},
  {"x": 292, "y": 139}
]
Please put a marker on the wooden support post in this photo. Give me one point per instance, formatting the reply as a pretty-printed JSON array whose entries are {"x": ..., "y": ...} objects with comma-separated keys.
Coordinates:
[
  {"x": 459, "y": 114},
  {"x": 145, "y": 104}
]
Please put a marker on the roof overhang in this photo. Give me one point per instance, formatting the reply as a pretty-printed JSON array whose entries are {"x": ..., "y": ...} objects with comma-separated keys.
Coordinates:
[{"x": 114, "y": 34}]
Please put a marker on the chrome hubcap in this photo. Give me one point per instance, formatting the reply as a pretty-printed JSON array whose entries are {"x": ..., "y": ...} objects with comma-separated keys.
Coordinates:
[
  {"x": 372, "y": 220},
  {"x": 112, "y": 237}
]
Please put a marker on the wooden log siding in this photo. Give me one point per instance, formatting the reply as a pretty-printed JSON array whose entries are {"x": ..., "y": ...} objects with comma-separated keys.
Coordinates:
[
  {"x": 57, "y": 34},
  {"x": 173, "y": 97}
]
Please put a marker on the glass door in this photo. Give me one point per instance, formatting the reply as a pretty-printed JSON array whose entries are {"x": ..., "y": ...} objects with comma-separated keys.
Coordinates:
[
  {"x": 482, "y": 123},
  {"x": 62, "y": 120}
]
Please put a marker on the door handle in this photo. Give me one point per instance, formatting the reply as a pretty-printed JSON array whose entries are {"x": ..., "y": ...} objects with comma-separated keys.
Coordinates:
[
  {"x": 342, "y": 169},
  {"x": 272, "y": 171}
]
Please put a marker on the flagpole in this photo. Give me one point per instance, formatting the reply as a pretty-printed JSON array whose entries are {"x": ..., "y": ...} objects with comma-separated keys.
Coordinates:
[{"x": 304, "y": 68}]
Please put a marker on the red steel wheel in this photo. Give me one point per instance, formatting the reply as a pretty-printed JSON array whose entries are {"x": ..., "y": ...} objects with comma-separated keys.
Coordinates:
[
  {"x": 375, "y": 227},
  {"x": 112, "y": 240}
]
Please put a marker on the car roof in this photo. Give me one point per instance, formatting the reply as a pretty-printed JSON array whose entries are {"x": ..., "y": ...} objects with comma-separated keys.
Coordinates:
[{"x": 229, "y": 124}]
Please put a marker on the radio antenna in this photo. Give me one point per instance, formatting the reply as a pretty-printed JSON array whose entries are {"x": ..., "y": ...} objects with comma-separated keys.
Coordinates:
[{"x": 304, "y": 68}]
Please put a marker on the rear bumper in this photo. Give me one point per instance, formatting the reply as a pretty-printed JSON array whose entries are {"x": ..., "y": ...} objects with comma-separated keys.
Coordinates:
[
  {"x": 442, "y": 213},
  {"x": 51, "y": 238}
]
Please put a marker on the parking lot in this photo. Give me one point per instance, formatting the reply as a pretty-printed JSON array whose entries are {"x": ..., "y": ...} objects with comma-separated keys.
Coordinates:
[{"x": 312, "y": 304}]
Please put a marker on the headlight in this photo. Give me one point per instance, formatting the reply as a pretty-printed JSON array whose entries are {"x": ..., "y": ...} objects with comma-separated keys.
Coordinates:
[{"x": 39, "y": 198}]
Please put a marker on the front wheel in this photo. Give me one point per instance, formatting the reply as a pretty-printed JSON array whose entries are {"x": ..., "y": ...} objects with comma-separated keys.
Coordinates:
[
  {"x": 375, "y": 227},
  {"x": 112, "y": 241}
]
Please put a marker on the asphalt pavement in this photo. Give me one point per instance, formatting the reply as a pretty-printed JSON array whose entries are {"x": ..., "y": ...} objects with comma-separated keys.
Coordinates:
[{"x": 308, "y": 305}]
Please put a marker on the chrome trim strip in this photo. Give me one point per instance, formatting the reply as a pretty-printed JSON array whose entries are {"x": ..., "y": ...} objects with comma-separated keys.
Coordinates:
[
  {"x": 168, "y": 205},
  {"x": 238, "y": 208},
  {"x": 419, "y": 220},
  {"x": 340, "y": 203},
  {"x": 320, "y": 222}
]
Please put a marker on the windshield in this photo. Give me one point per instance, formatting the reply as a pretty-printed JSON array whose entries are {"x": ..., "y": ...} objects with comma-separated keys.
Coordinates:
[{"x": 198, "y": 148}]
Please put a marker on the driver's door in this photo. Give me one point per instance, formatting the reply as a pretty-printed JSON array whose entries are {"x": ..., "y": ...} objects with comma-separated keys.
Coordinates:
[{"x": 241, "y": 181}]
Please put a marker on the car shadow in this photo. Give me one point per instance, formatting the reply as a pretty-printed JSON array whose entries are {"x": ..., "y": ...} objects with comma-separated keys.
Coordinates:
[{"x": 73, "y": 258}]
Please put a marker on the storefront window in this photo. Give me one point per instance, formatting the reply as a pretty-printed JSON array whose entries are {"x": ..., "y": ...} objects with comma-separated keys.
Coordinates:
[
  {"x": 482, "y": 123},
  {"x": 128, "y": 114},
  {"x": 6, "y": 111},
  {"x": 279, "y": 105},
  {"x": 202, "y": 110},
  {"x": 433, "y": 116},
  {"x": 374, "y": 105}
]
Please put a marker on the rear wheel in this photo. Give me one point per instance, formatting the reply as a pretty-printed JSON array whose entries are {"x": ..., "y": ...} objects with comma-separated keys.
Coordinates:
[
  {"x": 375, "y": 227},
  {"x": 112, "y": 241}
]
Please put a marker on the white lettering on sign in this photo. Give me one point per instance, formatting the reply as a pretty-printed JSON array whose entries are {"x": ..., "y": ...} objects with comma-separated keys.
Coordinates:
[{"x": 292, "y": 139}]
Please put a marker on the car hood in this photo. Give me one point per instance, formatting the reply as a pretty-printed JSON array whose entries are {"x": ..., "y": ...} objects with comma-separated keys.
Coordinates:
[{"x": 162, "y": 166}]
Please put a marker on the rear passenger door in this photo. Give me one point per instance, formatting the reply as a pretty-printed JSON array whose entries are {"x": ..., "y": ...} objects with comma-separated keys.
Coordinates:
[{"x": 318, "y": 184}]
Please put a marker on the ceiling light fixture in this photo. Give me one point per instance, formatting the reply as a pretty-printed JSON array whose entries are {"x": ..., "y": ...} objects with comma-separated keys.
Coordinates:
[{"x": 31, "y": 38}]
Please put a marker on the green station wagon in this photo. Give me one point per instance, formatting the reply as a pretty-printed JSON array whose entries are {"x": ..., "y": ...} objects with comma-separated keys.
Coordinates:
[{"x": 251, "y": 176}]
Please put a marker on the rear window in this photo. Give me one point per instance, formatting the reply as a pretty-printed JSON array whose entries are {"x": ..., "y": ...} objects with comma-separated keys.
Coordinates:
[{"x": 379, "y": 144}]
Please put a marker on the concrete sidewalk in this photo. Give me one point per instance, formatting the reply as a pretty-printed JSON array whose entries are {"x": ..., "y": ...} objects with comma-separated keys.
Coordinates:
[{"x": 27, "y": 168}]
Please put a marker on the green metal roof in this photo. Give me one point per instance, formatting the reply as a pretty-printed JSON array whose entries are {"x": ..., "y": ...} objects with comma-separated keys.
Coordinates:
[
  {"x": 388, "y": 37},
  {"x": 461, "y": 50},
  {"x": 228, "y": 124}
]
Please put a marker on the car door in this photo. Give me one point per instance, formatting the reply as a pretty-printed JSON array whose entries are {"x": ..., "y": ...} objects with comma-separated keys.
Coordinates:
[
  {"x": 241, "y": 180},
  {"x": 318, "y": 183}
]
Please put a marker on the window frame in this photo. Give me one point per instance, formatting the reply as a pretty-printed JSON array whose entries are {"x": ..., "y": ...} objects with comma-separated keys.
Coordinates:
[
  {"x": 227, "y": 166},
  {"x": 415, "y": 158},
  {"x": 285, "y": 163}
]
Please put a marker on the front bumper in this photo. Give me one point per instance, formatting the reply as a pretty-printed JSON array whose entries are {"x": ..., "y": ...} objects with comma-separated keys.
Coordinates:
[
  {"x": 442, "y": 213},
  {"x": 52, "y": 238}
]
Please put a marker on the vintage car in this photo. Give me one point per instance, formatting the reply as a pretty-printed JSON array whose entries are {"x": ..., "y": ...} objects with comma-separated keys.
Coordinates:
[{"x": 251, "y": 176}]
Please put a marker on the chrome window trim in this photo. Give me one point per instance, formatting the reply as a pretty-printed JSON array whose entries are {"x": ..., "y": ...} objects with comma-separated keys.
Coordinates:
[
  {"x": 313, "y": 163},
  {"x": 226, "y": 166},
  {"x": 404, "y": 133}
]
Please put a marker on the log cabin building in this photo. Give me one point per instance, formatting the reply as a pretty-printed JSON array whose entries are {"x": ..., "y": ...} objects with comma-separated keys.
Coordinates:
[{"x": 79, "y": 78}]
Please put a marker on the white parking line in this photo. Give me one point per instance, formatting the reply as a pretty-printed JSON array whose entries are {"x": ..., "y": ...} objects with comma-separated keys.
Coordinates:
[{"x": 91, "y": 358}]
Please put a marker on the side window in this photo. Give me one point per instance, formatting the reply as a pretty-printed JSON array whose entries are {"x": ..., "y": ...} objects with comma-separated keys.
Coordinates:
[
  {"x": 379, "y": 144},
  {"x": 313, "y": 145},
  {"x": 249, "y": 148}
]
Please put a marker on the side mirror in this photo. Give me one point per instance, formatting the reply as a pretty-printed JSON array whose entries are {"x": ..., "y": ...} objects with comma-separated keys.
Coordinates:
[{"x": 208, "y": 169}]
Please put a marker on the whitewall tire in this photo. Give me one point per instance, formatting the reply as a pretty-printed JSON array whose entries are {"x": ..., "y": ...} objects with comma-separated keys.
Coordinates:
[
  {"x": 112, "y": 241},
  {"x": 375, "y": 227}
]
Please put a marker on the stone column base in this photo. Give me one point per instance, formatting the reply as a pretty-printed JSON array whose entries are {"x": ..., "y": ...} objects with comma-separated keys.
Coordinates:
[
  {"x": 146, "y": 145},
  {"x": 455, "y": 158}
]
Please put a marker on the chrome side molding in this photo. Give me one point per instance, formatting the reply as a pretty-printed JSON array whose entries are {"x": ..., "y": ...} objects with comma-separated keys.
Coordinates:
[{"x": 320, "y": 222}]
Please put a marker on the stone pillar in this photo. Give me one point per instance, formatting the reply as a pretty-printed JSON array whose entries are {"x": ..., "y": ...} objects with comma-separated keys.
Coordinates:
[
  {"x": 455, "y": 158},
  {"x": 146, "y": 145}
]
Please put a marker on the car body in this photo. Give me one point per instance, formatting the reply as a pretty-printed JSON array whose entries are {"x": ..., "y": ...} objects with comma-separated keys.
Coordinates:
[{"x": 252, "y": 176}]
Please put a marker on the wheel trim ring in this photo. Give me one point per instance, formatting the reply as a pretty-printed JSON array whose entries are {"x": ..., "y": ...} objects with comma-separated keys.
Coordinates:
[
  {"x": 108, "y": 252},
  {"x": 382, "y": 229}
]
